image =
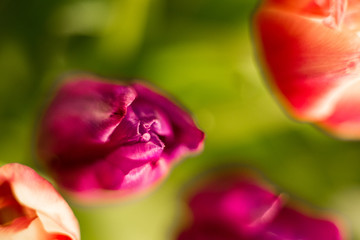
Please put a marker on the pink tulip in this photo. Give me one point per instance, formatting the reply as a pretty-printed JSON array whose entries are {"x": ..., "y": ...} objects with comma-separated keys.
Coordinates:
[
  {"x": 310, "y": 51},
  {"x": 30, "y": 207},
  {"x": 242, "y": 208},
  {"x": 104, "y": 140}
]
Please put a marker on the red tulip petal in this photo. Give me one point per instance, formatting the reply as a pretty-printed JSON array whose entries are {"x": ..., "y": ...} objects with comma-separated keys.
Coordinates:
[
  {"x": 312, "y": 57},
  {"x": 345, "y": 119}
]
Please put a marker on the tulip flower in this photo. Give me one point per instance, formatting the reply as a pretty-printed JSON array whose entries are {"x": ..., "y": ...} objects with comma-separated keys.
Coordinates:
[
  {"x": 234, "y": 207},
  {"x": 30, "y": 207},
  {"x": 103, "y": 140},
  {"x": 310, "y": 52}
]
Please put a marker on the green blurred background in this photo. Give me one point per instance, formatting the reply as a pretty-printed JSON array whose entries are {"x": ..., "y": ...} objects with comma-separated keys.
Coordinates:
[{"x": 201, "y": 53}]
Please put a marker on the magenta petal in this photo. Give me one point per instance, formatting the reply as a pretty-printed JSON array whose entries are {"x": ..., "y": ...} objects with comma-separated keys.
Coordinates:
[
  {"x": 146, "y": 151},
  {"x": 79, "y": 179},
  {"x": 129, "y": 156},
  {"x": 109, "y": 175},
  {"x": 153, "y": 117},
  {"x": 99, "y": 184},
  {"x": 187, "y": 137},
  {"x": 128, "y": 129},
  {"x": 145, "y": 175},
  {"x": 206, "y": 231},
  {"x": 105, "y": 140},
  {"x": 82, "y": 116},
  {"x": 234, "y": 208},
  {"x": 293, "y": 225},
  {"x": 242, "y": 205}
]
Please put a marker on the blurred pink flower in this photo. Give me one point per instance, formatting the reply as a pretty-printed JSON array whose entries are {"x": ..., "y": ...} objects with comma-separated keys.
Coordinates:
[
  {"x": 30, "y": 207},
  {"x": 311, "y": 53},
  {"x": 234, "y": 208},
  {"x": 102, "y": 140}
]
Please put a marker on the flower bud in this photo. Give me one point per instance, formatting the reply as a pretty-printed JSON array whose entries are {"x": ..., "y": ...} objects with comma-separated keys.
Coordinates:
[
  {"x": 233, "y": 206},
  {"x": 103, "y": 140}
]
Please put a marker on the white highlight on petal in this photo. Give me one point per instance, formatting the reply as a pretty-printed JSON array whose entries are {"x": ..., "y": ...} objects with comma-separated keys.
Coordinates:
[
  {"x": 146, "y": 137},
  {"x": 107, "y": 133}
]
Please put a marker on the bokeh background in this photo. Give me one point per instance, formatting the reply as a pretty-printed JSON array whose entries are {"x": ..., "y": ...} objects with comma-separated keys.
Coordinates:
[{"x": 201, "y": 53}]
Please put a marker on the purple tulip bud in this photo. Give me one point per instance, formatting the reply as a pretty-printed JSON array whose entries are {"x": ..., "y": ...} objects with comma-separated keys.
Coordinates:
[
  {"x": 234, "y": 207},
  {"x": 104, "y": 139}
]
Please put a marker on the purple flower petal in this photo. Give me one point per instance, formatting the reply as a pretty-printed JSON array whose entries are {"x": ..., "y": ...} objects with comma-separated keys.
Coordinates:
[
  {"x": 81, "y": 117},
  {"x": 293, "y": 225},
  {"x": 208, "y": 231},
  {"x": 241, "y": 205},
  {"x": 98, "y": 136},
  {"x": 186, "y": 136},
  {"x": 235, "y": 208},
  {"x": 92, "y": 184}
]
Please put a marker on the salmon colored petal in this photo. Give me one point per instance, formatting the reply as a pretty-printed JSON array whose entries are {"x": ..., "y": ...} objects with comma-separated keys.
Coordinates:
[
  {"x": 35, "y": 193},
  {"x": 34, "y": 231},
  {"x": 311, "y": 54}
]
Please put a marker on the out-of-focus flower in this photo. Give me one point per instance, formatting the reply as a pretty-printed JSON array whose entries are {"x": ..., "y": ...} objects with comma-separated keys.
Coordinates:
[
  {"x": 30, "y": 207},
  {"x": 311, "y": 53},
  {"x": 103, "y": 140},
  {"x": 234, "y": 208}
]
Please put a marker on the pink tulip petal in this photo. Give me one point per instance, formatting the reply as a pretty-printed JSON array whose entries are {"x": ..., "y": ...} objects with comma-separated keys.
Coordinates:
[
  {"x": 108, "y": 173},
  {"x": 142, "y": 151},
  {"x": 150, "y": 172},
  {"x": 239, "y": 204},
  {"x": 128, "y": 130},
  {"x": 293, "y": 225},
  {"x": 34, "y": 193},
  {"x": 153, "y": 117},
  {"x": 208, "y": 231},
  {"x": 101, "y": 136},
  {"x": 136, "y": 182},
  {"x": 187, "y": 136},
  {"x": 81, "y": 118},
  {"x": 234, "y": 208}
]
